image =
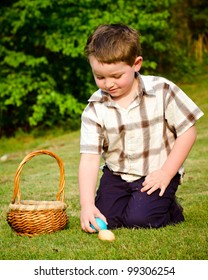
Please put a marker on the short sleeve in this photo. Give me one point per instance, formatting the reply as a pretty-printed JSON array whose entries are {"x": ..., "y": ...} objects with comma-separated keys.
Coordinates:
[
  {"x": 181, "y": 112},
  {"x": 91, "y": 138}
]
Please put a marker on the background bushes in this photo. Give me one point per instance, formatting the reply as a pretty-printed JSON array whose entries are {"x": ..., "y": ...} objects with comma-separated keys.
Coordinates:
[{"x": 45, "y": 80}]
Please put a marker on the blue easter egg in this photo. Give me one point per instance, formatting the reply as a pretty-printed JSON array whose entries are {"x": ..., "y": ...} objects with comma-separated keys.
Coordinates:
[{"x": 102, "y": 225}]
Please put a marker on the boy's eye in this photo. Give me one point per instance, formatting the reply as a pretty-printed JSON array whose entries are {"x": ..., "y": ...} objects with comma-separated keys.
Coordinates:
[
  {"x": 117, "y": 76},
  {"x": 99, "y": 77}
]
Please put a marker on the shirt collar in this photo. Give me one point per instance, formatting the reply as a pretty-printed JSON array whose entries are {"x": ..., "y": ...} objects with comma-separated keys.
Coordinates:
[
  {"x": 145, "y": 84},
  {"x": 144, "y": 88}
]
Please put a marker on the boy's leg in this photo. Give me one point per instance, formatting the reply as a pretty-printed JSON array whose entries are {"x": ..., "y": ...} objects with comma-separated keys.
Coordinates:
[
  {"x": 145, "y": 210},
  {"x": 112, "y": 198},
  {"x": 123, "y": 204}
]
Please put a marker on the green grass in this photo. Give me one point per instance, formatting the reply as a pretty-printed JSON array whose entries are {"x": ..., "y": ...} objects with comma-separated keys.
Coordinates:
[{"x": 39, "y": 181}]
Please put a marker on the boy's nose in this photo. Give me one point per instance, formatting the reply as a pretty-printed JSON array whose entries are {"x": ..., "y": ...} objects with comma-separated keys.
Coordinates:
[{"x": 109, "y": 84}]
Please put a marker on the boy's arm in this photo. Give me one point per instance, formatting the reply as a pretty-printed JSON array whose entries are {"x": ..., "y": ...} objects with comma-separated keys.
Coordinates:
[
  {"x": 161, "y": 178},
  {"x": 88, "y": 175}
]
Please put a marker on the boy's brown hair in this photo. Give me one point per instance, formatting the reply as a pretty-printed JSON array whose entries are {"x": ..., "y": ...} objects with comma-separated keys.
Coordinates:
[{"x": 113, "y": 43}]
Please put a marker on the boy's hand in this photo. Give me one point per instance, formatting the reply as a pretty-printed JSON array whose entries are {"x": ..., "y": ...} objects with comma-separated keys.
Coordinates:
[
  {"x": 158, "y": 179},
  {"x": 87, "y": 217}
]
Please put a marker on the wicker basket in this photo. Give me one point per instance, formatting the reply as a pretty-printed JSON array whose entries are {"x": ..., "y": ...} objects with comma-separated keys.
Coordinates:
[{"x": 31, "y": 218}]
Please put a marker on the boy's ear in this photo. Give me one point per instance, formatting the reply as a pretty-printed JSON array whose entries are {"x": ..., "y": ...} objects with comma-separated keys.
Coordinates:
[{"x": 138, "y": 63}]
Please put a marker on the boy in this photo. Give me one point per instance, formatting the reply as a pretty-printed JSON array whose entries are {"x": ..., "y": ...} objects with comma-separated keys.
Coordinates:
[{"x": 143, "y": 126}]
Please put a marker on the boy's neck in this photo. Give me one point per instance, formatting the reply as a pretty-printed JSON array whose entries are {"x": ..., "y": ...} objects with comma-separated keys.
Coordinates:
[{"x": 125, "y": 100}]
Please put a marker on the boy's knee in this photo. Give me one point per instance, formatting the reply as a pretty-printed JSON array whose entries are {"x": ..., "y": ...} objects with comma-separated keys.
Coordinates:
[{"x": 145, "y": 221}]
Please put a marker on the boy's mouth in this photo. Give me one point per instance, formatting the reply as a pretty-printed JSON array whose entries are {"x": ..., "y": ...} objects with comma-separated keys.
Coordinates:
[{"x": 112, "y": 90}]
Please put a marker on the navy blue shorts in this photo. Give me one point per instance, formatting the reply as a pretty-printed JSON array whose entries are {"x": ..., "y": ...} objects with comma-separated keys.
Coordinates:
[{"x": 124, "y": 205}]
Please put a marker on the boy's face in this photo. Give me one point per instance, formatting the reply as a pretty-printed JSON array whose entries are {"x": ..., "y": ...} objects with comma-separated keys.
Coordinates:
[{"x": 117, "y": 79}]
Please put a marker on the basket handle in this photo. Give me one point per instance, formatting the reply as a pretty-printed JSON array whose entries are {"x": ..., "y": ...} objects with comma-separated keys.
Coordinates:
[{"x": 27, "y": 158}]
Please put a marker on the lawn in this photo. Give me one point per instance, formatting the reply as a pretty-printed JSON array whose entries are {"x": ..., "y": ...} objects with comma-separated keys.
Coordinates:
[{"x": 39, "y": 181}]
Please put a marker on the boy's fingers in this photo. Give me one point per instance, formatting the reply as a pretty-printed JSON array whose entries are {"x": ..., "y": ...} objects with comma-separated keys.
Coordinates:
[
  {"x": 146, "y": 187},
  {"x": 102, "y": 217},
  {"x": 153, "y": 189},
  {"x": 162, "y": 191},
  {"x": 94, "y": 224},
  {"x": 87, "y": 228}
]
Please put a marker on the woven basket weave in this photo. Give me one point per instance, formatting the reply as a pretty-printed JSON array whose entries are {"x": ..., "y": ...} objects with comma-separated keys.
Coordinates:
[{"x": 31, "y": 218}]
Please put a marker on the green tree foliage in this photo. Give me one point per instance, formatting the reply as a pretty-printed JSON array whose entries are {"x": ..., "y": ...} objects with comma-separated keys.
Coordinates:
[
  {"x": 45, "y": 79},
  {"x": 197, "y": 17},
  {"x": 190, "y": 20},
  {"x": 38, "y": 75}
]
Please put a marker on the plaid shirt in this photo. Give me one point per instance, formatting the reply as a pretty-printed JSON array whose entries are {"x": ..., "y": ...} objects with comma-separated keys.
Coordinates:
[{"x": 137, "y": 140}]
